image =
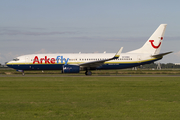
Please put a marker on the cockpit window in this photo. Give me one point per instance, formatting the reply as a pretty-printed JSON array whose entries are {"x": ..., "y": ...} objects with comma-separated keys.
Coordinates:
[{"x": 15, "y": 59}]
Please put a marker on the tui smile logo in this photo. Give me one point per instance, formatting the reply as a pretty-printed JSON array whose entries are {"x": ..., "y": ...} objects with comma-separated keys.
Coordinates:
[{"x": 154, "y": 46}]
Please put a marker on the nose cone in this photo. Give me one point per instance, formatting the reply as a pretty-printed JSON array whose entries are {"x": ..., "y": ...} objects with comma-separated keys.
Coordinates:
[{"x": 9, "y": 64}]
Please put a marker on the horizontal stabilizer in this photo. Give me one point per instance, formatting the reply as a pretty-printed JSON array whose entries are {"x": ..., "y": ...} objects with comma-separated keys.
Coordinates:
[{"x": 161, "y": 54}]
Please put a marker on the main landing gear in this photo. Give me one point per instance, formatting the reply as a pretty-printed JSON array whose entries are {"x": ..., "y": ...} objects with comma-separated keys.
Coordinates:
[{"x": 88, "y": 72}]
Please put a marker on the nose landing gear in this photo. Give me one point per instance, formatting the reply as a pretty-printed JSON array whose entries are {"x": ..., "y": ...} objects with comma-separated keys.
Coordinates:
[{"x": 21, "y": 71}]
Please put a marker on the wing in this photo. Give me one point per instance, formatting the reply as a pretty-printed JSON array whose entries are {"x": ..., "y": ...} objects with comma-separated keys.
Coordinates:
[{"x": 100, "y": 62}]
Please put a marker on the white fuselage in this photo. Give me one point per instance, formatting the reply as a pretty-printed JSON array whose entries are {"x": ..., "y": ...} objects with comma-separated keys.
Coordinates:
[{"x": 46, "y": 60}]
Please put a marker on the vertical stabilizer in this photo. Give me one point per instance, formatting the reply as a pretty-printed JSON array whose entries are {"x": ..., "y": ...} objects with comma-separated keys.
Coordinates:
[{"x": 154, "y": 43}]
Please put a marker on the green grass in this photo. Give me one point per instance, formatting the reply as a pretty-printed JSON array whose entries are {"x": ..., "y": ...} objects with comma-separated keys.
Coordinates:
[{"x": 90, "y": 98}]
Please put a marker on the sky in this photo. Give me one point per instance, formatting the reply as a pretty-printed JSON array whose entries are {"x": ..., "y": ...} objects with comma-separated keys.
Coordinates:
[{"x": 87, "y": 26}]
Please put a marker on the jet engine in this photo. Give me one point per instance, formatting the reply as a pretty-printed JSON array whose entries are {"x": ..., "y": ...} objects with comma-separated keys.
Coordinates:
[{"x": 71, "y": 69}]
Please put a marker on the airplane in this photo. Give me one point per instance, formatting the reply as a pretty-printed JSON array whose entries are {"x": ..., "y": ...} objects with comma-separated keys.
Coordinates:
[{"x": 74, "y": 63}]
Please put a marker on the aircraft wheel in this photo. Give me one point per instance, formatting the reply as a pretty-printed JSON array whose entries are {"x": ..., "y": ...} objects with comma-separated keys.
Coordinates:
[{"x": 88, "y": 73}]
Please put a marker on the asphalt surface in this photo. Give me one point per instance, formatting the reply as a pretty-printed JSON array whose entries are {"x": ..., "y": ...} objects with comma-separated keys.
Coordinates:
[{"x": 60, "y": 75}]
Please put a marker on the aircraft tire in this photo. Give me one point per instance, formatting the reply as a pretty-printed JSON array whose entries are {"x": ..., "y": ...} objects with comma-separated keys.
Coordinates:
[{"x": 88, "y": 73}]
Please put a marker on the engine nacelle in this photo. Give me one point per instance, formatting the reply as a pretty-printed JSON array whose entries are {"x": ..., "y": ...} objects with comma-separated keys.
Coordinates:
[{"x": 71, "y": 69}]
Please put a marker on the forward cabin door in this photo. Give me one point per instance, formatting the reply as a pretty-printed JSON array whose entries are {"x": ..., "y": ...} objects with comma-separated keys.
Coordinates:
[
  {"x": 139, "y": 58},
  {"x": 27, "y": 60}
]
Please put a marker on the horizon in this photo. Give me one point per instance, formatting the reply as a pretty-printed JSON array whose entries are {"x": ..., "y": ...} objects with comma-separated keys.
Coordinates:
[{"x": 30, "y": 27}]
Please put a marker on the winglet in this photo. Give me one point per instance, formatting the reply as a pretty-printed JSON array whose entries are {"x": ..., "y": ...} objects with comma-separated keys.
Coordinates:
[{"x": 118, "y": 53}]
